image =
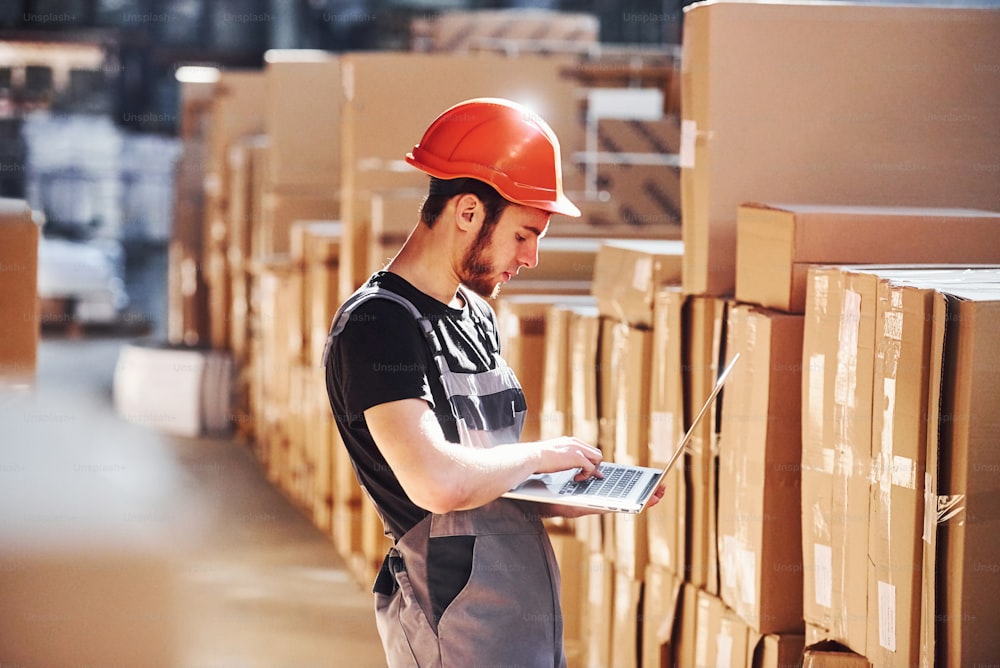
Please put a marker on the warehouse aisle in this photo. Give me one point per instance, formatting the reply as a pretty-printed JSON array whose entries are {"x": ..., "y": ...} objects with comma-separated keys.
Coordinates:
[{"x": 255, "y": 584}]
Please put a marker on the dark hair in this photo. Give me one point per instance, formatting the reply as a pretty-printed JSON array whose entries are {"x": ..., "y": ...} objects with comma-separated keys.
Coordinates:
[{"x": 442, "y": 190}]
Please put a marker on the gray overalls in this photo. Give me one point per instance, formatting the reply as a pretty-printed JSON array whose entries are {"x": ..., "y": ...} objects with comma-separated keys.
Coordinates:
[{"x": 508, "y": 614}]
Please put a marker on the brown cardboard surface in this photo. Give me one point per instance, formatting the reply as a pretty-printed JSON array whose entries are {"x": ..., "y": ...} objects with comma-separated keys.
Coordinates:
[
  {"x": 281, "y": 209},
  {"x": 570, "y": 555},
  {"x": 600, "y": 610},
  {"x": 634, "y": 368},
  {"x": 776, "y": 242},
  {"x": 667, "y": 525},
  {"x": 626, "y": 648},
  {"x": 687, "y": 642},
  {"x": 859, "y": 128},
  {"x": 629, "y": 273},
  {"x": 775, "y": 650},
  {"x": 837, "y": 362},
  {"x": 660, "y": 618},
  {"x": 302, "y": 107},
  {"x": 759, "y": 497},
  {"x": 584, "y": 342},
  {"x": 721, "y": 638},
  {"x": 899, "y": 442},
  {"x": 967, "y": 514},
  {"x": 458, "y": 31},
  {"x": 18, "y": 292},
  {"x": 705, "y": 317},
  {"x": 521, "y": 321},
  {"x": 557, "y": 391}
]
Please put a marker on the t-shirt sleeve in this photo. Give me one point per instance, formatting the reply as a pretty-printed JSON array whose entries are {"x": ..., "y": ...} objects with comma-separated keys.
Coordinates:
[{"x": 382, "y": 356}]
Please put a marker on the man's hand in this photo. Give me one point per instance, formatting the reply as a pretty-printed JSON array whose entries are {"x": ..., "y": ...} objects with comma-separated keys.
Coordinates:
[{"x": 567, "y": 452}]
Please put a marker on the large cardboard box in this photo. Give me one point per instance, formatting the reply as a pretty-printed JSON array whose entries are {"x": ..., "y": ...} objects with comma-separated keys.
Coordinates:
[
  {"x": 629, "y": 273},
  {"x": 284, "y": 207},
  {"x": 512, "y": 29},
  {"x": 626, "y": 616},
  {"x": 584, "y": 343},
  {"x": 776, "y": 243},
  {"x": 18, "y": 292},
  {"x": 968, "y": 518},
  {"x": 759, "y": 528},
  {"x": 791, "y": 123},
  {"x": 721, "y": 637},
  {"x": 302, "y": 107},
  {"x": 521, "y": 321},
  {"x": 828, "y": 657},
  {"x": 570, "y": 555},
  {"x": 632, "y": 365},
  {"x": 660, "y": 618},
  {"x": 838, "y": 357},
  {"x": 600, "y": 610},
  {"x": 775, "y": 650},
  {"x": 557, "y": 390},
  {"x": 667, "y": 523},
  {"x": 899, "y": 445},
  {"x": 706, "y": 319}
]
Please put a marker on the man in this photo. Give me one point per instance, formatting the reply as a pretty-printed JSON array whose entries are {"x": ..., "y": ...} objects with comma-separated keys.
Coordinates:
[{"x": 431, "y": 414}]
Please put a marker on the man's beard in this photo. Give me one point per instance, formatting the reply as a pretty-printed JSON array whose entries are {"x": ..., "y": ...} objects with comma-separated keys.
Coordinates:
[{"x": 476, "y": 267}]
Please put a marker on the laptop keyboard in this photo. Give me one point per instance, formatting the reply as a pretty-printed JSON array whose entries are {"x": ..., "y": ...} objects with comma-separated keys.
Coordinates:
[{"x": 616, "y": 483}]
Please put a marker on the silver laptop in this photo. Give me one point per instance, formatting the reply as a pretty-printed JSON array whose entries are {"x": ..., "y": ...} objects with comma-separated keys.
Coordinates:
[{"x": 623, "y": 488}]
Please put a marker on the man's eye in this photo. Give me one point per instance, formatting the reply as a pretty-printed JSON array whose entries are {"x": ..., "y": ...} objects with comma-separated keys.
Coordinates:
[{"x": 519, "y": 237}]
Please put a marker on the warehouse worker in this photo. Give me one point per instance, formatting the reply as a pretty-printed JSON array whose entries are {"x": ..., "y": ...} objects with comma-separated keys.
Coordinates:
[{"x": 431, "y": 414}]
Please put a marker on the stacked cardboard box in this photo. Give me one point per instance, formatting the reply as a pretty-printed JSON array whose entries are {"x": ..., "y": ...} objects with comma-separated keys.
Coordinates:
[
  {"x": 892, "y": 362},
  {"x": 824, "y": 129},
  {"x": 508, "y": 31},
  {"x": 18, "y": 292}
]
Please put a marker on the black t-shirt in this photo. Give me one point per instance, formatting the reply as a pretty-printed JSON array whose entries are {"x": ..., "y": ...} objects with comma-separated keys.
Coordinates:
[{"x": 382, "y": 356}]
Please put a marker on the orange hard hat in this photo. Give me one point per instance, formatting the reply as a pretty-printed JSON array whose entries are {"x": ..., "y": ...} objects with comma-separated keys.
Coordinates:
[{"x": 501, "y": 143}]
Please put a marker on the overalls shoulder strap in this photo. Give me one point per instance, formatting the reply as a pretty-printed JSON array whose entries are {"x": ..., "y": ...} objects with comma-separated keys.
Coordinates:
[{"x": 362, "y": 295}]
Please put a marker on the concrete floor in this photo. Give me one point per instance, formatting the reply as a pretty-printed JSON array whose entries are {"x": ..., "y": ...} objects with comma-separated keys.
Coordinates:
[{"x": 229, "y": 573}]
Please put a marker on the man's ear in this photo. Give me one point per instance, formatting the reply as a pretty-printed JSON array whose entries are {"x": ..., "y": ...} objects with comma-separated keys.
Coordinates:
[{"x": 468, "y": 211}]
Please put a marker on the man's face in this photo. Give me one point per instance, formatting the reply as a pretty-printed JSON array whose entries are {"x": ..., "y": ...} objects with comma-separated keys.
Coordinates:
[{"x": 499, "y": 251}]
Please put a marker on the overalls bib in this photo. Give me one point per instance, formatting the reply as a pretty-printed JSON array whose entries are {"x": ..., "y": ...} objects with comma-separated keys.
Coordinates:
[{"x": 508, "y": 613}]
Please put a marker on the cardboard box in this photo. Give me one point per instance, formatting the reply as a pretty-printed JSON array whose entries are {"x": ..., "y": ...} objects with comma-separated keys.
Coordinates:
[
  {"x": 776, "y": 243},
  {"x": 281, "y": 209},
  {"x": 632, "y": 364},
  {"x": 759, "y": 502},
  {"x": 899, "y": 443},
  {"x": 570, "y": 555},
  {"x": 521, "y": 321},
  {"x": 557, "y": 389},
  {"x": 508, "y": 30},
  {"x": 705, "y": 317},
  {"x": 629, "y": 273},
  {"x": 18, "y": 292},
  {"x": 687, "y": 642},
  {"x": 967, "y": 517},
  {"x": 667, "y": 525},
  {"x": 584, "y": 342},
  {"x": 721, "y": 638},
  {"x": 837, "y": 376},
  {"x": 631, "y": 548},
  {"x": 775, "y": 650},
  {"x": 600, "y": 610},
  {"x": 302, "y": 107},
  {"x": 825, "y": 656},
  {"x": 660, "y": 618},
  {"x": 625, "y": 630},
  {"x": 828, "y": 130}
]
